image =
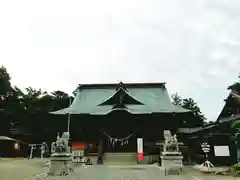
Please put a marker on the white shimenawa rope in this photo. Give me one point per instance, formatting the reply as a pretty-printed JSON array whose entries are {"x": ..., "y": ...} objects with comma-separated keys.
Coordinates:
[{"x": 113, "y": 141}]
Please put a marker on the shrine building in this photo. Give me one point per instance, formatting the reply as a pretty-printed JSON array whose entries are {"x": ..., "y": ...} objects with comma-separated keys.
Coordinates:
[
  {"x": 220, "y": 132},
  {"x": 112, "y": 116}
]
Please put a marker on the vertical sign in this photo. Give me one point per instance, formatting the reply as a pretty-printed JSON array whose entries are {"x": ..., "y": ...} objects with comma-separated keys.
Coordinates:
[{"x": 140, "y": 148}]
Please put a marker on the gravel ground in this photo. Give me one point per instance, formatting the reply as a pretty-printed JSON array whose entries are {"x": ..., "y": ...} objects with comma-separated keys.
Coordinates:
[
  {"x": 28, "y": 169},
  {"x": 21, "y": 169}
]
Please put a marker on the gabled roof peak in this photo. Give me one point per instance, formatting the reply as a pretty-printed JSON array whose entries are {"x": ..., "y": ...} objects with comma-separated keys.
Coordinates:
[
  {"x": 121, "y": 96},
  {"x": 121, "y": 86}
]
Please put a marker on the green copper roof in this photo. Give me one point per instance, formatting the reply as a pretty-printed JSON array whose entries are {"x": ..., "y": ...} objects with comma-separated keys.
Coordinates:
[{"x": 154, "y": 99}]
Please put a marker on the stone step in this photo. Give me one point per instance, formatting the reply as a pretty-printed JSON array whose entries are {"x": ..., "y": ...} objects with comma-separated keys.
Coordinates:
[
  {"x": 120, "y": 158},
  {"x": 119, "y": 163}
]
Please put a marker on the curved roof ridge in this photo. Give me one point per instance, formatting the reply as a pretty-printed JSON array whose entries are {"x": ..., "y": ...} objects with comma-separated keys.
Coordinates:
[{"x": 114, "y": 85}]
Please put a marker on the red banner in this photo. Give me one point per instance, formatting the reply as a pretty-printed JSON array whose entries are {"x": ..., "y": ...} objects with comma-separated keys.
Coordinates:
[{"x": 79, "y": 145}]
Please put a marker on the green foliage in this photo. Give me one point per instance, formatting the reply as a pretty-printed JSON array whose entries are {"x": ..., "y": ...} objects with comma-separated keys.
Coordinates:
[
  {"x": 235, "y": 125},
  {"x": 177, "y": 100},
  {"x": 196, "y": 118},
  {"x": 192, "y": 105},
  {"x": 19, "y": 108},
  {"x": 235, "y": 138},
  {"x": 236, "y": 167},
  {"x": 5, "y": 85}
]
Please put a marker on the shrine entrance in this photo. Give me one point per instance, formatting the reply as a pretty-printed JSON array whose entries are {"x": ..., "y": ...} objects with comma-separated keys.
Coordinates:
[
  {"x": 119, "y": 133},
  {"x": 120, "y": 143}
]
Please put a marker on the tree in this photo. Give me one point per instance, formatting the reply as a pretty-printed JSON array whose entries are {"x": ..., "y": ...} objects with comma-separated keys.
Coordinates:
[
  {"x": 31, "y": 100},
  {"x": 5, "y": 85},
  {"x": 34, "y": 93},
  {"x": 235, "y": 138},
  {"x": 196, "y": 117},
  {"x": 28, "y": 111},
  {"x": 177, "y": 100},
  {"x": 60, "y": 95},
  {"x": 9, "y": 103}
]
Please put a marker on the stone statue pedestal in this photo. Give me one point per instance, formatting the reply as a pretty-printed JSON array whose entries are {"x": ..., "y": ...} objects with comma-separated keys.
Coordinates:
[
  {"x": 61, "y": 164},
  {"x": 171, "y": 157},
  {"x": 172, "y": 162},
  {"x": 61, "y": 158}
]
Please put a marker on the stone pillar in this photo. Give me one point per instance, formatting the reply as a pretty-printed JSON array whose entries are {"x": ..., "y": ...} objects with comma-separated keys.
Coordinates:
[
  {"x": 100, "y": 153},
  {"x": 60, "y": 165}
]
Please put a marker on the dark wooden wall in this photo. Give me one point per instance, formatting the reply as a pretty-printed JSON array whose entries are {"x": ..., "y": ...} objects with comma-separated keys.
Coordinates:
[{"x": 120, "y": 124}]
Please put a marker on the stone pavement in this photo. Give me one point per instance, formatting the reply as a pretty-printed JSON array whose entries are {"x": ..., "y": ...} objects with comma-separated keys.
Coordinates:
[
  {"x": 134, "y": 172},
  {"x": 28, "y": 169}
]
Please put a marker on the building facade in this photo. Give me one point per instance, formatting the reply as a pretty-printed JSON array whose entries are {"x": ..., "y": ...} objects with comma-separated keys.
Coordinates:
[
  {"x": 218, "y": 133},
  {"x": 110, "y": 117}
]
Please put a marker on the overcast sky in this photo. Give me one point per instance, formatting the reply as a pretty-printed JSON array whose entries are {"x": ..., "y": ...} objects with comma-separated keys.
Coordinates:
[{"x": 192, "y": 45}]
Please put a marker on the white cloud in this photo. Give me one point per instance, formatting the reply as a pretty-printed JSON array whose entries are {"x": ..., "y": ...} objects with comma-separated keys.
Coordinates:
[{"x": 192, "y": 45}]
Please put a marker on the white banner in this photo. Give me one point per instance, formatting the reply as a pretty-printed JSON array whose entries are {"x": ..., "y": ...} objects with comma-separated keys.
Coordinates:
[
  {"x": 140, "y": 145},
  {"x": 221, "y": 151}
]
